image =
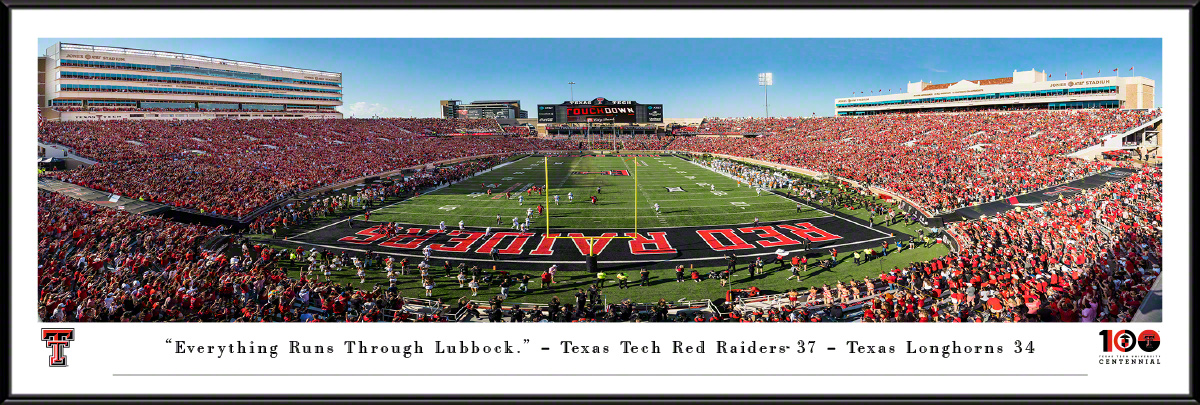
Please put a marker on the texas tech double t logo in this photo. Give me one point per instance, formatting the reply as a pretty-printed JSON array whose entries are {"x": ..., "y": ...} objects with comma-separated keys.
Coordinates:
[{"x": 57, "y": 340}]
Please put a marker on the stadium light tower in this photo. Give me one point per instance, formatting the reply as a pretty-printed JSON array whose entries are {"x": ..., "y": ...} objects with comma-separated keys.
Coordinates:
[
  {"x": 766, "y": 80},
  {"x": 572, "y": 91}
]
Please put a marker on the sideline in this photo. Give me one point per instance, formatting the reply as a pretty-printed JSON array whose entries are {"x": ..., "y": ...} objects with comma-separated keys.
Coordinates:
[
  {"x": 694, "y": 259},
  {"x": 406, "y": 199}
]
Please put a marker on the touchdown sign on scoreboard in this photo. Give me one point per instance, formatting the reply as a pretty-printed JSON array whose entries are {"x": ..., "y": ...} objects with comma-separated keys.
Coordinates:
[{"x": 599, "y": 110}]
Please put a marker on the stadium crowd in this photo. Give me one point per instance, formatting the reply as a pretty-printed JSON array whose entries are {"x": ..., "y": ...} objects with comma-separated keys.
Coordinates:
[
  {"x": 231, "y": 167},
  {"x": 1091, "y": 257},
  {"x": 98, "y": 264},
  {"x": 336, "y": 202},
  {"x": 1088, "y": 257}
]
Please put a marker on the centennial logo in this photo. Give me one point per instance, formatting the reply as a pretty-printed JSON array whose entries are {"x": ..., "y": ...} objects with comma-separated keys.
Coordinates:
[
  {"x": 57, "y": 340},
  {"x": 1069, "y": 83},
  {"x": 1125, "y": 341}
]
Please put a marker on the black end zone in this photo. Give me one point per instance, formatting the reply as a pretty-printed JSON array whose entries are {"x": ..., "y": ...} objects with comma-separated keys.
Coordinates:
[{"x": 653, "y": 248}]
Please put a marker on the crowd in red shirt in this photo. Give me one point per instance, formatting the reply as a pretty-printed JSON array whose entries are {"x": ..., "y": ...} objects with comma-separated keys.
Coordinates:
[
  {"x": 519, "y": 130},
  {"x": 98, "y": 264},
  {"x": 1091, "y": 257},
  {"x": 942, "y": 161},
  {"x": 231, "y": 167},
  {"x": 331, "y": 203}
]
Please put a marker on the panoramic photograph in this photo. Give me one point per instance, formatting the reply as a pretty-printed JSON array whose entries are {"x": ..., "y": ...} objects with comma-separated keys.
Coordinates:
[{"x": 613, "y": 180}]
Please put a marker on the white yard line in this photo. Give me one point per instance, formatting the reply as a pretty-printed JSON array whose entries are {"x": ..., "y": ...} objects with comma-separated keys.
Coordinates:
[
  {"x": 731, "y": 177},
  {"x": 576, "y": 206},
  {"x": 401, "y": 201},
  {"x": 643, "y": 192},
  {"x": 568, "y": 176},
  {"x": 827, "y": 213},
  {"x": 699, "y": 197},
  {"x": 338, "y": 222},
  {"x": 573, "y": 217}
]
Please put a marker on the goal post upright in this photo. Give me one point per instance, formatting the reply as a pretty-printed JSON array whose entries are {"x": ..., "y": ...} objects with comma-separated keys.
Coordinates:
[
  {"x": 590, "y": 240},
  {"x": 546, "y": 192}
]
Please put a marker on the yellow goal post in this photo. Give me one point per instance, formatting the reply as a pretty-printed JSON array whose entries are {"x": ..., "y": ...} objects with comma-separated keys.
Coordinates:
[{"x": 591, "y": 239}]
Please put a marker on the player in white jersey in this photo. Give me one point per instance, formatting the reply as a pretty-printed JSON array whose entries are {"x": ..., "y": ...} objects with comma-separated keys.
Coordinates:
[
  {"x": 556, "y": 199},
  {"x": 759, "y": 191},
  {"x": 515, "y": 223},
  {"x": 528, "y": 212},
  {"x": 460, "y": 225},
  {"x": 712, "y": 187},
  {"x": 427, "y": 251},
  {"x": 488, "y": 231},
  {"x": 526, "y": 222},
  {"x": 655, "y": 208},
  {"x": 570, "y": 197},
  {"x": 442, "y": 225},
  {"x": 520, "y": 200}
]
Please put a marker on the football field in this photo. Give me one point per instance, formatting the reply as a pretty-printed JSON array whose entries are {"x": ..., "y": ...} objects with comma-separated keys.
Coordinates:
[
  {"x": 703, "y": 217},
  {"x": 687, "y": 195}
]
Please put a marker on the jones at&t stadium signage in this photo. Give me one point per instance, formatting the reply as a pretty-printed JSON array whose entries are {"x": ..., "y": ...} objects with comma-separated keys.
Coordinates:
[
  {"x": 92, "y": 57},
  {"x": 1073, "y": 83}
]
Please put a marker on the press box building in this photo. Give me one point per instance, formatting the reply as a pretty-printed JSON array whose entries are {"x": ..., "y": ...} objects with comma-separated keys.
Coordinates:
[
  {"x": 89, "y": 82},
  {"x": 1023, "y": 90}
]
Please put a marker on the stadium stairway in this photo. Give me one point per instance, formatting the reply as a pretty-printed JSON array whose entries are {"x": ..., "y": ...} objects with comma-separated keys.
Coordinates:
[{"x": 1113, "y": 141}]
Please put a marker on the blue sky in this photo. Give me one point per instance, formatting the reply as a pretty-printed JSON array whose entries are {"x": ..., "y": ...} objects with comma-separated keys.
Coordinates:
[{"x": 691, "y": 77}]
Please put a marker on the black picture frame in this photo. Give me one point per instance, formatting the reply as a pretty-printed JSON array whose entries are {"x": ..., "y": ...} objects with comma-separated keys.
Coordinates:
[{"x": 533, "y": 398}]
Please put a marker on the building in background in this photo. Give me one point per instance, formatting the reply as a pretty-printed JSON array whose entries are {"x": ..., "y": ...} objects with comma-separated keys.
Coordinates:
[
  {"x": 1022, "y": 91},
  {"x": 89, "y": 82},
  {"x": 494, "y": 109}
]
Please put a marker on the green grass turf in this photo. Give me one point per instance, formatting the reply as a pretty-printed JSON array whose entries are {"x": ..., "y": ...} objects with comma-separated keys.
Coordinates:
[
  {"x": 698, "y": 205},
  {"x": 662, "y": 282}
]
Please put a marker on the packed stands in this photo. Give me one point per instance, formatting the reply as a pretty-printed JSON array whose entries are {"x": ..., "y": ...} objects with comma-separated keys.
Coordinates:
[
  {"x": 438, "y": 126},
  {"x": 333, "y": 203},
  {"x": 942, "y": 161},
  {"x": 97, "y": 264},
  {"x": 231, "y": 167},
  {"x": 1088, "y": 258},
  {"x": 1091, "y": 257},
  {"x": 519, "y": 130}
]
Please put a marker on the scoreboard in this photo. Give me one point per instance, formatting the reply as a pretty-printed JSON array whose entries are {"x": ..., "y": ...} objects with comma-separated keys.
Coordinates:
[{"x": 600, "y": 110}]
